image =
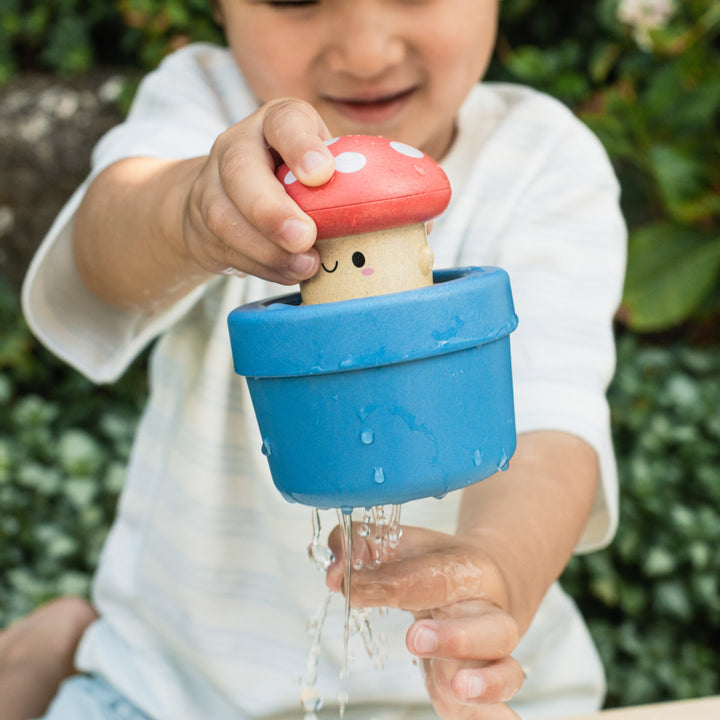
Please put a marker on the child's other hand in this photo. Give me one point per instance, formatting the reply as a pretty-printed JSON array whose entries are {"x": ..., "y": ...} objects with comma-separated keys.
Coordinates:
[
  {"x": 238, "y": 218},
  {"x": 463, "y": 632}
]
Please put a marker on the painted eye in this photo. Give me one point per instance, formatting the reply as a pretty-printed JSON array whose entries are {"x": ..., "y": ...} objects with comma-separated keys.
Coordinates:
[{"x": 358, "y": 259}]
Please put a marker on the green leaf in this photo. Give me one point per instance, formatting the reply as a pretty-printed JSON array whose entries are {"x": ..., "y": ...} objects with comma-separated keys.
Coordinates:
[
  {"x": 673, "y": 599},
  {"x": 530, "y": 64},
  {"x": 5, "y": 389},
  {"x": 670, "y": 271},
  {"x": 659, "y": 561},
  {"x": 679, "y": 173},
  {"x": 604, "y": 59},
  {"x": 80, "y": 454},
  {"x": 80, "y": 491},
  {"x": 43, "y": 480}
]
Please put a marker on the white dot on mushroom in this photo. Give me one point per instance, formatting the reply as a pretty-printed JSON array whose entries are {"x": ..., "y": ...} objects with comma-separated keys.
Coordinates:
[
  {"x": 404, "y": 149},
  {"x": 350, "y": 162}
]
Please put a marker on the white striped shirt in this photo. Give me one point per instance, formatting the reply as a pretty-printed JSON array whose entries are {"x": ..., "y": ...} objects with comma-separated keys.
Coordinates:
[{"x": 204, "y": 586}]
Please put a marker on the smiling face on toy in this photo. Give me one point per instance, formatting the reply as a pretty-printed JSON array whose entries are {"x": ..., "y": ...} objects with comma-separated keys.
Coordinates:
[
  {"x": 370, "y": 218},
  {"x": 371, "y": 263}
]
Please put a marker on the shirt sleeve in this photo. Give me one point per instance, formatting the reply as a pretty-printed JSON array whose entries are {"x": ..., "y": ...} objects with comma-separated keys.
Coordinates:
[
  {"x": 564, "y": 247},
  {"x": 178, "y": 112}
]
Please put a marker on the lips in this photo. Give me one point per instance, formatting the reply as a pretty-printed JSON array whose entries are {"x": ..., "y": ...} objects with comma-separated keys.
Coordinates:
[{"x": 375, "y": 108}]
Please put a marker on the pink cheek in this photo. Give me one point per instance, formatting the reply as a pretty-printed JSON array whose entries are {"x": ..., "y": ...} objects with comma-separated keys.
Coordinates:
[{"x": 367, "y": 271}]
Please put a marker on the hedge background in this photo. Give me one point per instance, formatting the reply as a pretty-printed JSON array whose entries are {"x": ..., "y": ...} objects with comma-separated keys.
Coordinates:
[{"x": 645, "y": 75}]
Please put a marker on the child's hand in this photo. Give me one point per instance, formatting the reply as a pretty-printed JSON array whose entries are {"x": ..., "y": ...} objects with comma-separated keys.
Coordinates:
[
  {"x": 238, "y": 218},
  {"x": 463, "y": 631}
]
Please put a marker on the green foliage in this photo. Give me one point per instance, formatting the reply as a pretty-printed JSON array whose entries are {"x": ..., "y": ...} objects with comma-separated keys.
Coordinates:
[
  {"x": 61, "y": 466},
  {"x": 69, "y": 36},
  {"x": 653, "y": 597},
  {"x": 653, "y": 98}
]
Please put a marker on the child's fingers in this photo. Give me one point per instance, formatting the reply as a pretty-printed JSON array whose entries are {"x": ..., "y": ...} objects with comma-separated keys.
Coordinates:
[
  {"x": 426, "y": 569},
  {"x": 482, "y": 632},
  {"x": 418, "y": 583},
  {"x": 464, "y": 691},
  {"x": 240, "y": 213},
  {"x": 492, "y": 683},
  {"x": 220, "y": 238},
  {"x": 297, "y": 133},
  {"x": 245, "y": 175},
  {"x": 413, "y": 541},
  {"x": 293, "y": 131}
]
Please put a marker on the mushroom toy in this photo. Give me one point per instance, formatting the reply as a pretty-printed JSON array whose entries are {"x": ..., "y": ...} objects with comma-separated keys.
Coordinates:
[
  {"x": 403, "y": 390},
  {"x": 371, "y": 218}
]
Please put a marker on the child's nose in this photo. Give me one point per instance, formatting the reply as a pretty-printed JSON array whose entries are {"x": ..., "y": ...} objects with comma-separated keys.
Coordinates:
[{"x": 364, "y": 44}]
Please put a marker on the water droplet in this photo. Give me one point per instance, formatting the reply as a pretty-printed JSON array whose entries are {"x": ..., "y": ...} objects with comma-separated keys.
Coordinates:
[
  {"x": 363, "y": 412},
  {"x": 364, "y": 527},
  {"x": 394, "y": 531},
  {"x": 367, "y": 436},
  {"x": 394, "y": 534},
  {"x": 311, "y": 700},
  {"x": 379, "y": 475},
  {"x": 342, "y": 703},
  {"x": 321, "y": 555},
  {"x": 503, "y": 462},
  {"x": 477, "y": 458},
  {"x": 266, "y": 447}
]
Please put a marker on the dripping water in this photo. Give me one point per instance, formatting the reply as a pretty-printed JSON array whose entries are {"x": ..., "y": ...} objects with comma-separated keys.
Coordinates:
[
  {"x": 383, "y": 532},
  {"x": 345, "y": 519}
]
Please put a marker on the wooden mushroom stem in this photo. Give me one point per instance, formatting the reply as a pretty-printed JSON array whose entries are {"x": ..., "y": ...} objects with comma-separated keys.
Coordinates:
[{"x": 373, "y": 263}]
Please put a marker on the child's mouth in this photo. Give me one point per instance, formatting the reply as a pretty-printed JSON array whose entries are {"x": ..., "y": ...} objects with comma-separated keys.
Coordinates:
[{"x": 374, "y": 109}]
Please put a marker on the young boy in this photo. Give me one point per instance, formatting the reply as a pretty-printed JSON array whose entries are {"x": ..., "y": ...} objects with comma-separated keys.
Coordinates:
[{"x": 203, "y": 591}]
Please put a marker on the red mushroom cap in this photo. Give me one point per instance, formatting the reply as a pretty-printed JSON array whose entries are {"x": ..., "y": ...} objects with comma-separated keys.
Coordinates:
[{"x": 377, "y": 184}]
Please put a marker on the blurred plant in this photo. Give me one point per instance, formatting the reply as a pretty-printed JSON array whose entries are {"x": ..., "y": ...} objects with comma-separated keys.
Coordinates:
[
  {"x": 70, "y": 36},
  {"x": 156, "y": 27},
  {"x": 645, "y": 16},
  {"x": 61, "y": 466},
  {"x": 653, "y": 597},
  {"x": 645, "y": 76}
]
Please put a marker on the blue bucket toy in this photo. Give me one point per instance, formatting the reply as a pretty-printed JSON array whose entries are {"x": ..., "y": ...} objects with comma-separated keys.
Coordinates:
[{"x": 384, "y": 399}]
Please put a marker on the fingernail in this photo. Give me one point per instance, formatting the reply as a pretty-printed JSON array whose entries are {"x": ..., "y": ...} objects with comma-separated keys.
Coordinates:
[
  {"x": 296, "y": 231},
  {"x": 426, "y": 640},
  {"x": 314, "y": 162},
  {"x": 474, "y": 686},
  {"x": 301, "y": 265}
]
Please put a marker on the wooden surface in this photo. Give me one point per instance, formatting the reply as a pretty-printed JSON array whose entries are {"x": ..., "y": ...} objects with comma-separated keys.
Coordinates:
[{"x": 702, "y": 709}]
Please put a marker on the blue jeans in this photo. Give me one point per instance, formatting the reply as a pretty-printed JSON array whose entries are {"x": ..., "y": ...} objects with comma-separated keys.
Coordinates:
[{"x": 89, "y": 697}]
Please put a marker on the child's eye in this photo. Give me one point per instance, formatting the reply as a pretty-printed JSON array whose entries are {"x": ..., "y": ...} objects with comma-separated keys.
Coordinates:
[{"x": 290, "y": 4}]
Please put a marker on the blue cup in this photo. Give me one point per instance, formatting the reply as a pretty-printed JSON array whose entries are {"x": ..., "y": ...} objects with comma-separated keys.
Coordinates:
[{"x": 385, "y": 399}]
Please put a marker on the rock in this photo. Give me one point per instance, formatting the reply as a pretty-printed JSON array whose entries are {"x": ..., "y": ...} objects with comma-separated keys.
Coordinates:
[{"x": 48, "y": 128}]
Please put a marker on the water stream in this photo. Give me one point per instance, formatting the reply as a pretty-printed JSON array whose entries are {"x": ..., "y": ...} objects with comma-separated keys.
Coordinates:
[{"x": 384, "y": 532}]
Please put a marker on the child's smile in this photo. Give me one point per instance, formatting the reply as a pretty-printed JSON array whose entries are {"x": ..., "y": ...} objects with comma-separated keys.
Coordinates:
[
  {"x": 376, "y": 67},
  {"x": 372, "y": 109}
]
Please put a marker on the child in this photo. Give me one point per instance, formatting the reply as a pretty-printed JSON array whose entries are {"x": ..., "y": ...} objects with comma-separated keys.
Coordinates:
[{"x": 203, "y": 591}]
